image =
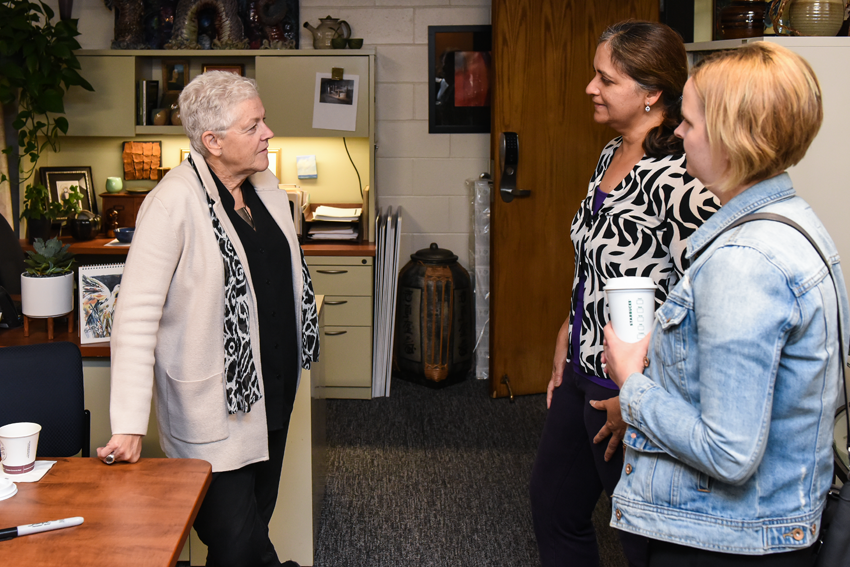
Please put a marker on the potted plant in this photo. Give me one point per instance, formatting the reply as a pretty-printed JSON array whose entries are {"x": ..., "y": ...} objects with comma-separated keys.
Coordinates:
[
  {"x": 47, "y": 285},
  {"x": 37, "y": 66}
]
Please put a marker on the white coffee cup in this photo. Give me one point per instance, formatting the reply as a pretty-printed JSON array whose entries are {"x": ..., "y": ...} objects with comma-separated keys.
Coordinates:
[
  {"x": 631, "y": 302},
  {"x": 18, "y": 445}
]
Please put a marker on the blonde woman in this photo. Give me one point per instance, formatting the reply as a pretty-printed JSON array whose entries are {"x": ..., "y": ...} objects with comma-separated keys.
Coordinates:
[{"x": 728, "y": 453}]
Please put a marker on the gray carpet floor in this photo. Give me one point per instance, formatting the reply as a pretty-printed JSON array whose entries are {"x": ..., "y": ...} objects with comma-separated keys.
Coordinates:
[{"x": 435, "y": 477}]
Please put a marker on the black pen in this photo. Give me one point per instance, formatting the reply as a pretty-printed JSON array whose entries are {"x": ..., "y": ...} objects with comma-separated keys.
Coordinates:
[{"x": 9, "y": 533}]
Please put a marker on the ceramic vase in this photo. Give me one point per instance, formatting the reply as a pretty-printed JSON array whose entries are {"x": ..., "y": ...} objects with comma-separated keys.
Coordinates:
[
  {"x": 817, "y": 17},
  {"x": 84, "y": 225},
  {"x": 51, "y": 296}
]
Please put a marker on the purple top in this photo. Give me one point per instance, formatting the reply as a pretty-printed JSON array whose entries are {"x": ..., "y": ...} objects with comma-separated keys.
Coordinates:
[{"x": 575, "y": 336}]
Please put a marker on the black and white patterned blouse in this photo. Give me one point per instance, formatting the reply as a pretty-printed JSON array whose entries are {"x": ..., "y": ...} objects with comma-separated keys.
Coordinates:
[{"x": 640, "y": 230}]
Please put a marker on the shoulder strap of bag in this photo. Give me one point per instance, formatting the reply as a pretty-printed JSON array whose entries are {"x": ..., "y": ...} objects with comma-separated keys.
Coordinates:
[{"x": 801, "y": 230}]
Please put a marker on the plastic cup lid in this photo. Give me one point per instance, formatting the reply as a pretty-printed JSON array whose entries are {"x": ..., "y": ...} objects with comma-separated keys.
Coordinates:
[{"x": 629, "y": 282}]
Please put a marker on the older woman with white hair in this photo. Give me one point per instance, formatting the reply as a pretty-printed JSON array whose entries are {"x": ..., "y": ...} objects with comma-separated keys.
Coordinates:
[{"x": 217, "y": 315}]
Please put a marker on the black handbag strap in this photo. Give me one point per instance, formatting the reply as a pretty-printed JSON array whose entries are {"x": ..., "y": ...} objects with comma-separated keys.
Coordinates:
[{"x": 801, "y": 230}]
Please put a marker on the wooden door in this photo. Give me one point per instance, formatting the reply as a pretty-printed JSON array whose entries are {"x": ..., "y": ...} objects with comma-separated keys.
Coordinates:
[{"x": 543, "y": 59}]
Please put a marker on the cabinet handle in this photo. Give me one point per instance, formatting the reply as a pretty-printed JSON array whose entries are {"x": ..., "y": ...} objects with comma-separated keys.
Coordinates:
[
  {"x": 332, "y": 271},
  {"x": 335, "y": 333},
  {"x": 335, "y": 302}
]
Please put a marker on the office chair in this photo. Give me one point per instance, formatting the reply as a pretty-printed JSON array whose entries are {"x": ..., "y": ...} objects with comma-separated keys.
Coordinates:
[{"x": 43, "y": 384}]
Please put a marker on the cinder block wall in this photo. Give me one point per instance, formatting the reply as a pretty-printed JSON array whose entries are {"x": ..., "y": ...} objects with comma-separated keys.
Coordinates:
[{"x": 422, "y": 172}]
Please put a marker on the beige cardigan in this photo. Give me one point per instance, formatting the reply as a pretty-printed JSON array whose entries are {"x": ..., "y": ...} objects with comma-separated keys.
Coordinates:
[{"x": 167, "y": 338}]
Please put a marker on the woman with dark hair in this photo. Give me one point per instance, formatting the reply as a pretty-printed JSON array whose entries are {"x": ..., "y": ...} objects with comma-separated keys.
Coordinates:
[{"x": 640, "y": 208}]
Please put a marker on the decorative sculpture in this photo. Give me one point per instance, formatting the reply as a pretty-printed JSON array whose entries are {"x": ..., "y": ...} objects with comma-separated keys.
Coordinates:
[
  {"x": 129, "y": 18},
  {"x": 214, "y": 23}
]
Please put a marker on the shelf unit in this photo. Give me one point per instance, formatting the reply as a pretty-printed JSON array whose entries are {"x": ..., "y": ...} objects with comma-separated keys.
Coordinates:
[{"x": 287, "y": 84}]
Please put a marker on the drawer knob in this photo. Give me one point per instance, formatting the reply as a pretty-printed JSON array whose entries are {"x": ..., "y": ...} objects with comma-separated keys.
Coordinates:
[
  {"x": 334, "y": 333},
  {"x": 332, "y": 272}
]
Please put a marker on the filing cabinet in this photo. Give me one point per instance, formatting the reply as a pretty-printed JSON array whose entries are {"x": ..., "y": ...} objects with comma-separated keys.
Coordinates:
[{"x": 346, "y": 333}]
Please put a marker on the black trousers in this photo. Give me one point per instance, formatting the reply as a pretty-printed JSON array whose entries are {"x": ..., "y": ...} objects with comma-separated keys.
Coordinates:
[
  {"x": 233, "y": 520},
  {"x": 663, "y": 554},
  {"x": 570, "y": 473}
]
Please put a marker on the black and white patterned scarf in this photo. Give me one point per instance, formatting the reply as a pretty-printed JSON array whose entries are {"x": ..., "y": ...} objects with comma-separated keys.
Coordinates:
[
  {"x": 309, "y": 319},
  {"x": 241, "y": 379}
]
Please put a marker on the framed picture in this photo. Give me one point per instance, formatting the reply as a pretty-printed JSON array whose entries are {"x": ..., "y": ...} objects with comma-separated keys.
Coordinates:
[
  {"x": 141, "y": 160},
  {"x": 238, "y": 69},
  {"x": 184, "y": 153},
  {"x": 459, "y": 79},
  {"x": 59, "y": 181},
  {"x": 175, "y": 75},
  {"x": 274, "y": 161}
]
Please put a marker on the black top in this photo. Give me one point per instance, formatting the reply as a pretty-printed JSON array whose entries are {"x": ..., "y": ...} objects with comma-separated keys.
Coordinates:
[{"x": 270, "y": 266}]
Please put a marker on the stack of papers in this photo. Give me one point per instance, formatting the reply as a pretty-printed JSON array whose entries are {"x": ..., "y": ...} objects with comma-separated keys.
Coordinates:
[
  {"x": 336, "y": 214},
  {"x": 332, "y": 232}
]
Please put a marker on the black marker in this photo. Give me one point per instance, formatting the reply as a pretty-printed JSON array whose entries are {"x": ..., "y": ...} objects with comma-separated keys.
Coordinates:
[{"x": 9, "y": 533}]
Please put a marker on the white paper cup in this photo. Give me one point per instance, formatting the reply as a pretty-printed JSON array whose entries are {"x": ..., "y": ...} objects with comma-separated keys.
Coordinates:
[
  {"x": 18, "y": 444},
  {"x": 631, "y": 302}
]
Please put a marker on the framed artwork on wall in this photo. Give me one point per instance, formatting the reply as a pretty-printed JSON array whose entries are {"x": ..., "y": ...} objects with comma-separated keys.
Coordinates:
[
  {"x": 459, "y": 79},
  {"x": 175, "y": 75},
  {"x": 238, "y": 69},
  {"x": 141, "y": 160},
  {"x": 59, "y": 181}
]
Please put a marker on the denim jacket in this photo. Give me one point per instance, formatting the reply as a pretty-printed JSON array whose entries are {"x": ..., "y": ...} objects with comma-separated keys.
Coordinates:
[{"x": 729, "y": 447}]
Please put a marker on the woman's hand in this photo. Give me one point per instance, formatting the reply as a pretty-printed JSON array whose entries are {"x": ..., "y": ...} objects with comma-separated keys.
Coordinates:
[
  {"x": 622, "y": 359},
  {"x": 122, "y": 448},
  {"x": 614, "y": 425},
  {"x": 560, "y": 361}
]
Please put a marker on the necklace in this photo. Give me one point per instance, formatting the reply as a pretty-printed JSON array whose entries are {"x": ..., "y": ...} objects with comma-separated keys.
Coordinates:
[{"x": 246, "y": 216}]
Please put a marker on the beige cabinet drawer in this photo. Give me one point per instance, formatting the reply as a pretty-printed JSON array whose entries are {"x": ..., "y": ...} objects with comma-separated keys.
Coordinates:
[
  {"x": 342, "y": 280},
  {"x": 346, "y": 354},
  {"x": 348, "y": 310}
]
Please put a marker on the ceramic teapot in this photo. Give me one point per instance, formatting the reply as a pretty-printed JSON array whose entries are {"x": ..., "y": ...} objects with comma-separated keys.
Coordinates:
[{"x": 327, "y": 30}]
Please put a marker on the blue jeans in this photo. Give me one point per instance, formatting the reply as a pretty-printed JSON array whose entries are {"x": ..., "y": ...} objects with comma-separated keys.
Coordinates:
[{"x": 570, "y": 473}]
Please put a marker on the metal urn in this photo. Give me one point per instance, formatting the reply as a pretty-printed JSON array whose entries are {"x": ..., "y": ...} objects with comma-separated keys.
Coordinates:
[{"x": 434, "y": 320}]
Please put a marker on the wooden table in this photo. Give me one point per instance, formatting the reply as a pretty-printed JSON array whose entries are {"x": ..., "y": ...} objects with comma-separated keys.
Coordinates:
[{"x": 136, "y": 514}]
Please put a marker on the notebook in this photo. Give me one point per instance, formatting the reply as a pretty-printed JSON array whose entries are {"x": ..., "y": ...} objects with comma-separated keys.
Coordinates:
[{"x": 98, "y": 294}]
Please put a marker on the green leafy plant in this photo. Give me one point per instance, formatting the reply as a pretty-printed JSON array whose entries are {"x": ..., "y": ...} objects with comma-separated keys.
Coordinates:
[
  {"x": 37, "y": 66},
  {"x": 49, "y": 258}
]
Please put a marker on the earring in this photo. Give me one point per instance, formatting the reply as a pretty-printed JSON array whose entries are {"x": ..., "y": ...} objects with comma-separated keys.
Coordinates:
[{"x": 647, "y": 108}]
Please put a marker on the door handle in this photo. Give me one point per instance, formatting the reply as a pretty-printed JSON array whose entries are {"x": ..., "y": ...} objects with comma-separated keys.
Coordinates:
[{"x": 509, "y": 158}]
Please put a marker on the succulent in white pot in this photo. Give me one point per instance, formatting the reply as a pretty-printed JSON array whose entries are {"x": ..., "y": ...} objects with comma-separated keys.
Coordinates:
[{"x": 47, "y": 285}]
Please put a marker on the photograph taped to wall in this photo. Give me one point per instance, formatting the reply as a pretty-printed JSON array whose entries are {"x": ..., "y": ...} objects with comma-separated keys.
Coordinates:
[
  {"x": 335, "y": 102},
  {"x": 59, "y": 181},
  {"x": 336, "y": 92}
]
